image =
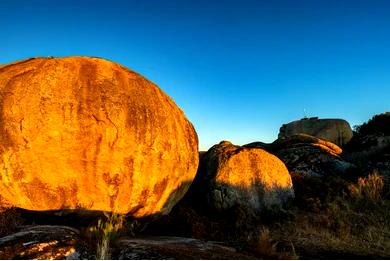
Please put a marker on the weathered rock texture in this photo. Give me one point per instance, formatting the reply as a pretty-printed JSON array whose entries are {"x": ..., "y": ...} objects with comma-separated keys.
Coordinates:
[
  {"x": 231, "y": 175},
  {"x": 337, "y": 131},
  {"x": 175, "y": 248},
  {"x": 44, "y": 242},
  {"x": 81, "y": 132},
  {"x": 309, "y": 156}
]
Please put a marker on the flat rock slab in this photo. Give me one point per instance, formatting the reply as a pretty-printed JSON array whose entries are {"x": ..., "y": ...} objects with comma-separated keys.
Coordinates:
[
  {"x": 43, "y": 242},
  {"x": 157, "y": 247}
]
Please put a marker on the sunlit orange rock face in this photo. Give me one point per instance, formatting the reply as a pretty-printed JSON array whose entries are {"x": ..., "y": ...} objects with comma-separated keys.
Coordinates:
[
  {"x": 231, "y": 175},
  {"x": 81, "y": 132}
]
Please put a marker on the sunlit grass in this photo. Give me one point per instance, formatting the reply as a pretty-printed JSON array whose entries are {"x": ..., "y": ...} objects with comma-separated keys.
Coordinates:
[{"x": 106, "y": 232}]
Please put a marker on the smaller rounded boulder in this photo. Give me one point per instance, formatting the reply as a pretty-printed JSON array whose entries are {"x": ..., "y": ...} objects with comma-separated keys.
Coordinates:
[{"x": 231, "y": 175}]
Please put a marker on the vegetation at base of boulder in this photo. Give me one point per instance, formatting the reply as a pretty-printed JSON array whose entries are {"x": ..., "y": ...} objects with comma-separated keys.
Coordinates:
[
  {"x": 368, "y": 189},
  {"x": 240, "y": 227},
  {"x": 354, "y": 223},
  {"x": 106, "y": 233},
  {"x": 330, "y": 217},
  {"x": 267, "y": 249}
]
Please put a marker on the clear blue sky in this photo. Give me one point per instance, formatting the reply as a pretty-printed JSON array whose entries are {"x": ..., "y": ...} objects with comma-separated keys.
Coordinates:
[{"x": 239, "y": 69}]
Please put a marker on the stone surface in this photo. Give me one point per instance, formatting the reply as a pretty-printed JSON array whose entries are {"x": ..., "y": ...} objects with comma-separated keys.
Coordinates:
[
  {"x": 337, "y": 131},
  {"x": 43, "y": 242},
  {"x": 175, "y": 248},
  {"x": 80, "y": 132},
  {"x": 310, "y": 156},
  {"x": 231, "y": 175}
]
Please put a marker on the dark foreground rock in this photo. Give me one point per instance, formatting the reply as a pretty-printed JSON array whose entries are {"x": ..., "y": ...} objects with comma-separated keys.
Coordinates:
[
  {"x": 175, "y": 248},
  {"x": 43, "y": 242}
]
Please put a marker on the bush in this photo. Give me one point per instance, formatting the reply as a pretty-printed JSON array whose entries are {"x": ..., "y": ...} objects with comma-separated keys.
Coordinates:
[
  {"x": 359, "y": 206},
  {"x": 367, "y": 189},
  {"x": 106, "y": 233},
  {"x": 266, "y": 248},
  {"x": 378, "y": 124}
]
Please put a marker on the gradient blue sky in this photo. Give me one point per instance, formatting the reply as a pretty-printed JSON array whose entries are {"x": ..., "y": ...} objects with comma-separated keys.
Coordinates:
[{"x": 239, "y": 69}]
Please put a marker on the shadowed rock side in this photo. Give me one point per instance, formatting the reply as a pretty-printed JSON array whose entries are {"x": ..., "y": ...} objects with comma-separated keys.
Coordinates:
[
  {"x": 81, "y": 132},
  {"x": 307, "y": 155},
  {"x": 231, "y": 175},
  {"x": 337, "y": 131}
]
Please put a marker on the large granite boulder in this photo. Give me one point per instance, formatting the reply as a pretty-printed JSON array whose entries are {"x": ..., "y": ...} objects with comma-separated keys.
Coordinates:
[
  {"x": 80, "y": 132},
  {"x": 231, "y": 175},
  {"x": 44, "y": 242},
  {"x": 157, "y": 247},
  {"x": 337, "y": 131}
]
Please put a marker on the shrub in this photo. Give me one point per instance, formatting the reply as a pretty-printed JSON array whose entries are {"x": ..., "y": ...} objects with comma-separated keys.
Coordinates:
[
  {"x": 378, "y": 124},
  {"x": 106, "y": 232},
  {"x": 367, "y": 189},
  {"x": 265, "y": 248},
  {"x": 359, "y": 206}
]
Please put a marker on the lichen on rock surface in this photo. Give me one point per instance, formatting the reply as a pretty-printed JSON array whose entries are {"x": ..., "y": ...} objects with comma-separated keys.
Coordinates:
[{"x": 81, "y": 132}]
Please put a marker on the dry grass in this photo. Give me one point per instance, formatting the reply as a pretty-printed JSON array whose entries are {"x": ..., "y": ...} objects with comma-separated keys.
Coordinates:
[
  {"x": 266, "y": 248},
  {"x": 106, "y": 233},
  {"x": 330, "y": 218},
  {"x": 354, "y": 224},
  {"x": 370, "y": 188}
]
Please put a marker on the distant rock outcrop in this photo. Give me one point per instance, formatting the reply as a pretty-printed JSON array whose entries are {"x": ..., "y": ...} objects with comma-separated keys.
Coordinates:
[
  {"x": 80, "y": 132},
  {"x": 337, "y": 131},
  {"x": 231, "y": 175}
]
